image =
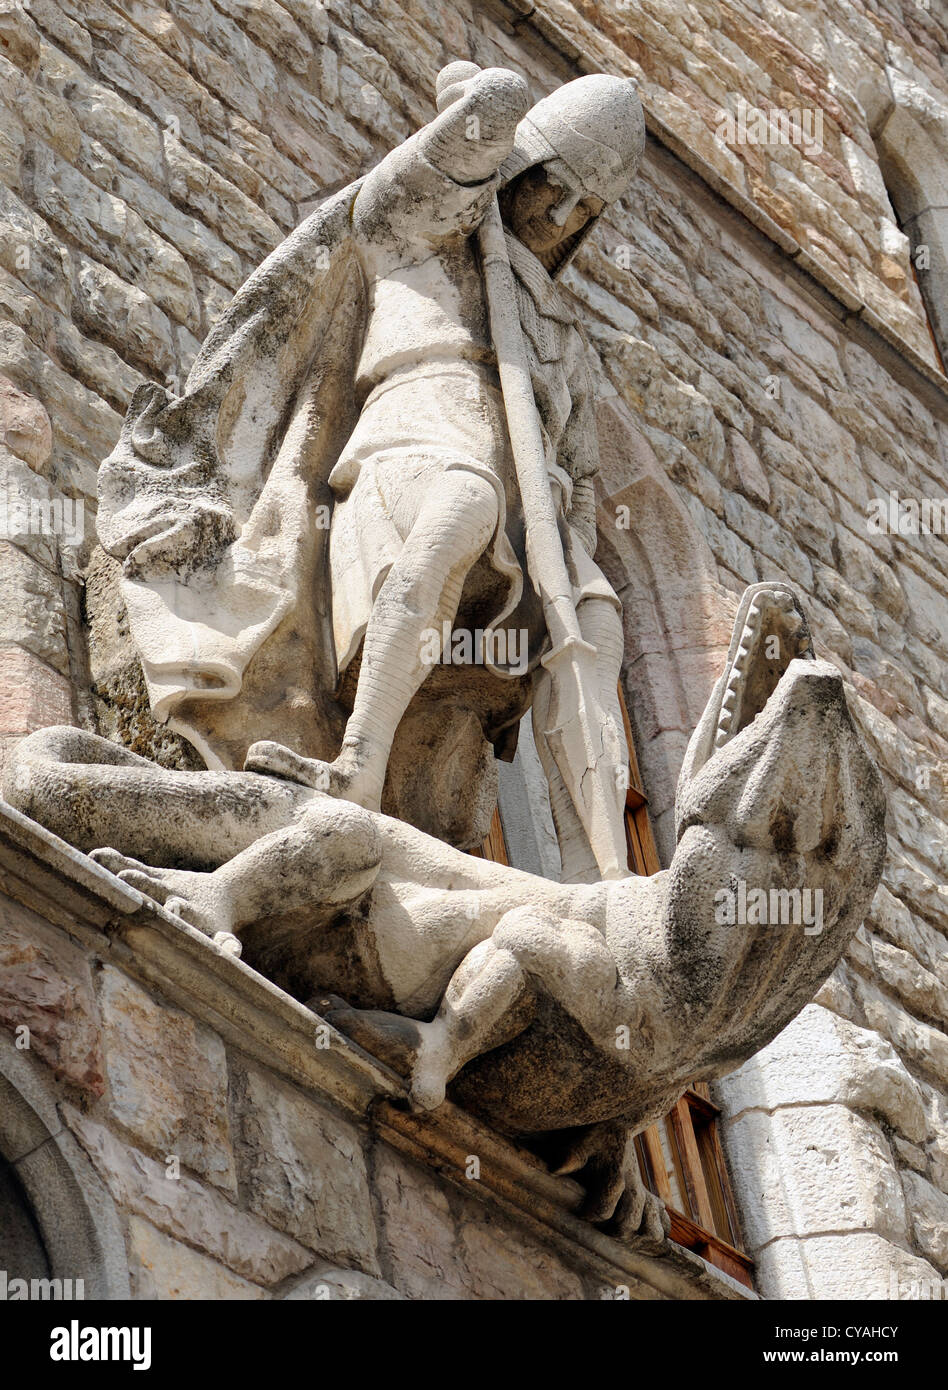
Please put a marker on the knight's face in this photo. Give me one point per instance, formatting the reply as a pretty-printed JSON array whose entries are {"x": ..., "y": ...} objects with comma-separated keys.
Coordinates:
[{"x": 545, "y": 207}]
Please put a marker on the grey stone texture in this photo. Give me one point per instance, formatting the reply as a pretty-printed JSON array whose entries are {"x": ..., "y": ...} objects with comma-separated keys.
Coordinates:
[{"x": 150, "y": 154}]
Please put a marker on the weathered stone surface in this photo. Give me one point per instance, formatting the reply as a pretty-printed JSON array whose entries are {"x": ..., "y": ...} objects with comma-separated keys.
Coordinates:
[
  {"x": 918, "y": 988},
  {"x": 910, "y": 1154},
  {"x": 419, "y": 1231},
  {"x": 122, "y": 314},
  {"x": 186, "y": 1211},
  {"x": 32, "y": 612},
  {"x": 503, "y": 1264},
  {"x": 112, "y": 231},
  {"x": 844, "y": 1177},
  {"x": 305, "y": 1173},
  {"x": 436, "y": 1253},
  {"x": 163, "y": 1268},
  {"x": 749, "y": 477},
  {"x": 929, "y": 1208},
  {"x": 859, "y": 1266},
  {"x": 329, "y": 1282},
  {"x": 19, "y": 36},
  {"x": 24, "y": 426},
  {"x": 102, "y": 113},
  {"x": 46, "y": 988},
  {"x": 821, "y": 1059},
  {"x": 32, "y": 694},
  {"x": 167, "y": 1079}
]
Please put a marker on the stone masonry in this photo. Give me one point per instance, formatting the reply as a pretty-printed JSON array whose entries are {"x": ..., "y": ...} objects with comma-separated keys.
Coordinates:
[{"x": 766, "y": 370}]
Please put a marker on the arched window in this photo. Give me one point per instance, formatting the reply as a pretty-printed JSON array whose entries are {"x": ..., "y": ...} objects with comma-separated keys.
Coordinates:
[
  {"x": 911, "y": 138},
  {"x": 58, "y": 1223}
]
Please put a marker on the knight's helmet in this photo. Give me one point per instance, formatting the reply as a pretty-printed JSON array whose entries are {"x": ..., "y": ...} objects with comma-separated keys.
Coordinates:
[{"x": 591, "y": 130}]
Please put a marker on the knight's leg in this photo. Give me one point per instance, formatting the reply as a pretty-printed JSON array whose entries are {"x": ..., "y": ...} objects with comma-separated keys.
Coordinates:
[
  {"x": 92, "y": 792},
  {"x": 601, "y": 625},
  {"x": 421, "y": 591}
]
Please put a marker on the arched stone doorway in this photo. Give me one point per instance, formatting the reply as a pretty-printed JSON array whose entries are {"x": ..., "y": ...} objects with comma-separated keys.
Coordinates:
[{"x": 57, "y": 1220}]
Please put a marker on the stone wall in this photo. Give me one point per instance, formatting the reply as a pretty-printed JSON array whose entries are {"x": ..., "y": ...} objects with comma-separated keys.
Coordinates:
[{"x": 764, "y": 368}]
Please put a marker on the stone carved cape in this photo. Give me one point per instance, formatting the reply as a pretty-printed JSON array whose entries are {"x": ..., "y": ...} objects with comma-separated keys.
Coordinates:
[{"x": 211, "y": 498}]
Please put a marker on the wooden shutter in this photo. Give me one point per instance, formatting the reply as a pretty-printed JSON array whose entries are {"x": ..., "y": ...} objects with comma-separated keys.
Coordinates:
[{"x": 493, "y": 846}]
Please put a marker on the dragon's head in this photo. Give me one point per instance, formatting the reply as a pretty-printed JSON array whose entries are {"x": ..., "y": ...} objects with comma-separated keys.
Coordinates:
[
  {"x": 780, "y": 814},
  {"x": 776, "y": 759}
]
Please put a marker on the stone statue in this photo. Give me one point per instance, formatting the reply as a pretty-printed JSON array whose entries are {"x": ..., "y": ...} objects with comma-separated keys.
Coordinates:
[
  {"x": 567, "y": 1015},
  {"x": 363, "y": 383},
  {"x": 402, "y": 379}
]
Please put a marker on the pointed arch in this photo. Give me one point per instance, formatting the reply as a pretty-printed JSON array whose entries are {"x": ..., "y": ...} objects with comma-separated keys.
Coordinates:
[
  {"x": 677, "y": 615},
  {"x": 68, "y": 1224},
  {"x": 911, "y": 139}
]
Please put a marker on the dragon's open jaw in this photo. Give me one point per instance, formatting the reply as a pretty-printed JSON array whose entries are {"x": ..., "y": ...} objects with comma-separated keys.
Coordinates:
[{"x": 770, "y": 631}]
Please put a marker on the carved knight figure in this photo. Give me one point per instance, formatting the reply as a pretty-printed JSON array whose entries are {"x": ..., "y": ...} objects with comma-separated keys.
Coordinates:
[{"x": 360, "y": 355}]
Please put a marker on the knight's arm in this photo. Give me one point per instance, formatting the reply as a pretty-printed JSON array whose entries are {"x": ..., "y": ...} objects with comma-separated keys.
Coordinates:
[{"x": 440, "y": 181}]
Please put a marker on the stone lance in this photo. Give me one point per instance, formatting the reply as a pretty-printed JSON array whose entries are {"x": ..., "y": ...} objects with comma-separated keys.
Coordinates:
[{"x": 576, "y": 720}]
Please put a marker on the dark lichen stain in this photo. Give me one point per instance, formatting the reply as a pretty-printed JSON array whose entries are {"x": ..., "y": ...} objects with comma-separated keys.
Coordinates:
[{"x": 781, "y": 830}]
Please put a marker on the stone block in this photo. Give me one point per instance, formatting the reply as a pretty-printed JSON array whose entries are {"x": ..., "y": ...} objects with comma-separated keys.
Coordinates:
[
  {"x": 813, "y": 1170},
  {"x": 24, "y": 426},
  {"x": 419, "y": 1230},
  {"x": 32, "y": 612},
  {"x": 102, "y": 113},
  {"x": 851, "y": 1267},
  {"x": 186, "y": 1210},
  {"x": 46, "y": 987},
  {"x": 19, "y": 37},
  {"x": 167, "y": 1079},
  {"x": 163, "y": 1268},
  {"x": 929, "y": 1209},
  {"x": 747, "y": 474},
  {"x": 821, "y": 1059},
  {"x": 32, "y": 694},
  {"x": 305, "y": 1172},
  {"x": 504, "y": 1263},
  {"x": 452, "y": 1247},
  {"x": 122, "y": 314}
]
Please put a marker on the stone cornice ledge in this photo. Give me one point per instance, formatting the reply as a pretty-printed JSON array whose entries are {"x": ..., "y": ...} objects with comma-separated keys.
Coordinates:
[
  {"x": 522, "y": 13},
  {"x": 112, "y": 919}
]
